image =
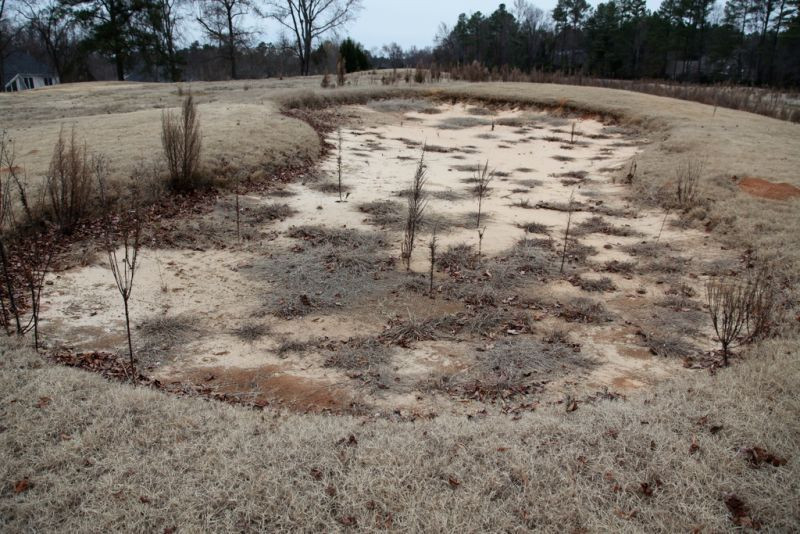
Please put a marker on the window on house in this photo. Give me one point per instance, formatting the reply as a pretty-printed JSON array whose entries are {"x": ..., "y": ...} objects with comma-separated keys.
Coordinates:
[
  {"x": 48, "y": 81},
  {"x": 28, "y": 82}
]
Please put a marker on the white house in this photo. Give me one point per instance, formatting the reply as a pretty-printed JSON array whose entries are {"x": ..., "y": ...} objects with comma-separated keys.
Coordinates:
[{"x": 23, "y": 72}]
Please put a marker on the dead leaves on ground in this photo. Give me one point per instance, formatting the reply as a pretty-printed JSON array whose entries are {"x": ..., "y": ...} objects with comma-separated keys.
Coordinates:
[
  {"x": 739, "y": 512},
  {"x": 758, "y": 456}
]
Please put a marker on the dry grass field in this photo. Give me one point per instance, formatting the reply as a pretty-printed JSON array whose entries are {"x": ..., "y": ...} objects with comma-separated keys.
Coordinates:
[{"x": 544, "y": 384}]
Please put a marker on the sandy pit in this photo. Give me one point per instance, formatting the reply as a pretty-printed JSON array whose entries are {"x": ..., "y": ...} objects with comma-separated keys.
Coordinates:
[{"x": 313, "y": 310}]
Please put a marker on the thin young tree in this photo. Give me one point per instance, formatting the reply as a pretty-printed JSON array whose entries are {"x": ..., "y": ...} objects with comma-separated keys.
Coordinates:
[
  {"x": 416, "y": 207},
  {"x": 483, "y": 179},
  {"x": 566, "y": 232},
  {"x": 308, "y": 20},
  {"x": 26, "y": 252},
  {"x": 123, "y": 239},
  {"x": 432, "y": 249},
  {"x": 339, "y": 164}
]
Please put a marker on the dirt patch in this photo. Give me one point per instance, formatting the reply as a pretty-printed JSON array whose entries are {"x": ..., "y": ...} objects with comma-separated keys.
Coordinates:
[
  {"x": 758, "y": 187},
  {"x": 268, "y": 385}
]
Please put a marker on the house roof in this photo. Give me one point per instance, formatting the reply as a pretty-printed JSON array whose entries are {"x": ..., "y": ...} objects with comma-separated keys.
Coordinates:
[{"x": 24, "y": 63}]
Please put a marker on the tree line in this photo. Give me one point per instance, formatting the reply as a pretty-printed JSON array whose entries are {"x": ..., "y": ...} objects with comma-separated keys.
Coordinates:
[
  {"x": 754, "y": 42},
  {"x": 742, "y": 41},
  {"x": 89, "y": 39}
]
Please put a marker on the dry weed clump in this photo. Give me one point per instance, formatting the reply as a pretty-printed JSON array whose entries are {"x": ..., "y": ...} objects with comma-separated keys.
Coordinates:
[
  {"x": 383, "y": 212},
  {"x": 687, "y": 183},
  {"x": 160, "y": 334},
  {"x": 361, "y": 354},
  {"x": 603, "y": 284},
  {"x": 181, "y": 140},
  {"x": 69, "y": 183},
  {"x": 336, "y": 269},
  {"x": 251, "y": 331},
  {"x": 272, "y": 212},
  {"x": 513, "y": 364},
  {"x": 598, "y": 225},
  {"x": 584, "y": 310}
]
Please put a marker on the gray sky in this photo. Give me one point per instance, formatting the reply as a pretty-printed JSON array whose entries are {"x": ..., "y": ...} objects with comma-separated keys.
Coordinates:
[
  {"x": 406, "y": 22},
  {"x": 414, "y": 22}
]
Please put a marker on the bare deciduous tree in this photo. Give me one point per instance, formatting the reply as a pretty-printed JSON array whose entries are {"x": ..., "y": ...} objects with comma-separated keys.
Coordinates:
[
  {"x": 416, "y": 207},
  {"x": 220, "y": 20},
  {"x": 310, "y": 19}
]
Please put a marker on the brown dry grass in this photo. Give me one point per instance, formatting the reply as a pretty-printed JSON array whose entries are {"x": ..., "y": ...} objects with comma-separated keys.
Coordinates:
[
  {"x": 99, "y": 456},
  {"x": 112, "y": 457}
]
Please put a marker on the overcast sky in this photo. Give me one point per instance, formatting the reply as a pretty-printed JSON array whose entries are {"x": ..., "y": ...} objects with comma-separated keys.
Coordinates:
[{"x": 407, "y": 22}]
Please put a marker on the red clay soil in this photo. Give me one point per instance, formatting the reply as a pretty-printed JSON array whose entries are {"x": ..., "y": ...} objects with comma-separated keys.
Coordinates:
[
  {"x": 267, "y": 386},
  {"x": 758, "y": 187}
]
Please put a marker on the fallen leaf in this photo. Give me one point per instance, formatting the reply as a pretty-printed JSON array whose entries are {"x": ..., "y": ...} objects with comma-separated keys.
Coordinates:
[
  {"x": 454, "y": 483},
  {"x": 316, "y": 474},
  {"x": 43, "y": 401},
  {"x": 739, "y": 511},
  {"x": 694, "y": 447},
  {"x": 22, "y": 485},
  {"x": 348, "y": 521}
]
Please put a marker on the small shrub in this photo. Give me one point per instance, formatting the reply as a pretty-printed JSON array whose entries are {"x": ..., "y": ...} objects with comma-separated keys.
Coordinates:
[
  {"x": 687, "y": 178},
  {"x": 69, "y": 183},
  {"x": 181, "y": 140}
]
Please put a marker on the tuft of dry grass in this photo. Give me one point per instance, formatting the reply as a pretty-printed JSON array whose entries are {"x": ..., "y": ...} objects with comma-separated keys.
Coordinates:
[
  {"x": 272, "y": 212},
  {"x": 250, "y": 332},
  {"x": 584, "y": 310},
  {"x": 159, "y": 336}
]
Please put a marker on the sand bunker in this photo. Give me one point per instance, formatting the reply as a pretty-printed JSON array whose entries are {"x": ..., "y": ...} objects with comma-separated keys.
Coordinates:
[{"x": 313, "y": 310}]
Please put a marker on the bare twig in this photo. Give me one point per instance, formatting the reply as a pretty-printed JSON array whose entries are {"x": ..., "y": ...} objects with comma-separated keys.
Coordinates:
[{"x": 566, "y": 233}]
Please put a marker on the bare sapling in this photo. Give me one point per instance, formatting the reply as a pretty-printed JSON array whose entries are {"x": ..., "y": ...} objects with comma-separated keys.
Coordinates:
[
  {"x": 566, "y": 232},
  {"x": 68, "y": 183},
  {"x": 26, "y": 252},
  {"x": 182, "y": 143},
  {"x": 416, "y": 208},
  {"x": 432, "y": 249},
  {"x": 729, "y": 302},
  {"x": 122, "y": 242},
  {"x": 341, "y": 71},
  {"x": 631, "y": 176},
  {"x": 661, "y": 230},
  {"x": 339, "y": 166},
  {"x": 483, "y": 179},
  {"x": 238, "y": 217},
  {"x": 687, "y": 177}
]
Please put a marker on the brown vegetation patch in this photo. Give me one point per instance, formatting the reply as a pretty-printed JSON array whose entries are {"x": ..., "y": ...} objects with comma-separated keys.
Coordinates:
[
  {"x": 758, "y": 187},
  {"x": 267, "y": 385}
]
